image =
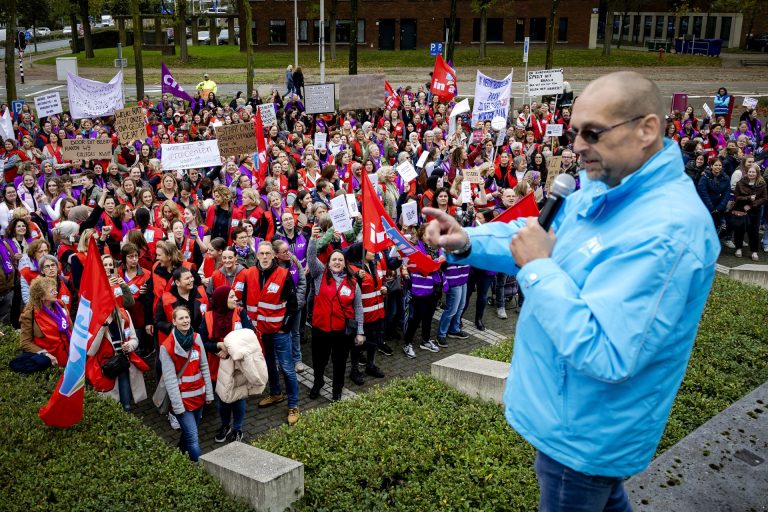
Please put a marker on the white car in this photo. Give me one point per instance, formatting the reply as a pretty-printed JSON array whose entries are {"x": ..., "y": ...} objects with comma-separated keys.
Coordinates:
[
  {"x": 204, "y": 37},
  {"x": 223, "y": 38},
  {"x": 43, "y": 31},
  {"x": 68, "y": 29}
]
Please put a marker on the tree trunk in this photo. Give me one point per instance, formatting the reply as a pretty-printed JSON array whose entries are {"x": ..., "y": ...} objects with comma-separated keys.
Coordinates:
[
  {"x": 353, "y": 39},
  {"x": 608, "y": 36},
  {"x": 86, "y": 29},
  {"x": 244, "y": 25},
  {"x": 451, "y": 32},
  {"x": 138, "y": 60},
  {"x": 483, "y": 30},
  {"x": 182, "y": 31},
  {"x": 332, "y": 26},
  {"x": 248, "y": 36},
  {"x": 10, "y": 52},
  {"x": 75, "y": 35},
  {"x": 551, "y": 35}
]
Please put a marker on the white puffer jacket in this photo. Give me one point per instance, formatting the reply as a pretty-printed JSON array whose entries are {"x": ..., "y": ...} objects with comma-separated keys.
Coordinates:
[{"x": 244, "y": 372}]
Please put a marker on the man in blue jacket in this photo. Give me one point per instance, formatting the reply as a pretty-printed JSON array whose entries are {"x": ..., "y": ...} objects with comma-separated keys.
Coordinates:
[{"x": 613, "y": 301}]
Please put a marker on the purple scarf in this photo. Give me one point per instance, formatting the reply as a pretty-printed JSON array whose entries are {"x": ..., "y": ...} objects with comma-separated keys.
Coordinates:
[
  {"x": 6, "y": 258},
  {"x": 59, "y": 316}
]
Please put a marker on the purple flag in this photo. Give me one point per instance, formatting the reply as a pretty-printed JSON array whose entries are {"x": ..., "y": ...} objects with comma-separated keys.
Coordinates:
[{"x": 171, "y": 86}]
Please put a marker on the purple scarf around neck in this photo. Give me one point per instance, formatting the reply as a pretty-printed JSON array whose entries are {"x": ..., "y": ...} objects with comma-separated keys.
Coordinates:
[{"x": 59, "y": 316}]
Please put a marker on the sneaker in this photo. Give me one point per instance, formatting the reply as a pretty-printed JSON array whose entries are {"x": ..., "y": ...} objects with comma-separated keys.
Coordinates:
[
  {"x": 335, "y": 397},
  {"x": 408, "y": 349},
  {"x": 173, "y": 421},
  {"x": 429, "y": 345},
  {"x": 293, "y": 416},
  {"x": 301, "y": 367},
  {"x": 356, "y": 377},
  {"x": 729, "y": 244},
  {"x": 374, "y": 371},
  {"x": 441, "y": 342},
  {"x": 501, "y": 313},
  {"x": 235, "y": 435},
  {"x": 386, "y": 349},
  {"x": 461, "y": 335},
  {"x": 737, "y": 253},
  {"x": 271, "y": 400},
  {"x": 755, "y": 257},
  {"x": 222, "y": 434}
]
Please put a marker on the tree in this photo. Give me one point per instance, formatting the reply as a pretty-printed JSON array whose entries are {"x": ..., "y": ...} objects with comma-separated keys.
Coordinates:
[
  {"x": 551, "y": 35},
  {"x": 332, "y": 15},
  {"x": 481, "y": 7},
  {"x": 181, "y": 30},
  {"x": 10, "y": 52},
  {"x": 248, "y": 46},
  {"x": 87, "y": 40},
  {"x": 353, "y": 38},
  {"x": 750, "y": 9},
  {"x": 244, "y": 24},
  {"x": 451, "y": 32},
  {"x": 138, "y": 60},
  {"x": 610, "y": 7}
]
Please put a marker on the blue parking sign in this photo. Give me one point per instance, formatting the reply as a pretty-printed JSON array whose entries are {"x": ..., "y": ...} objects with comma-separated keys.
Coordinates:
[
  {"x": 435, "y": 49},
  {"x": 16, "y": 105}
]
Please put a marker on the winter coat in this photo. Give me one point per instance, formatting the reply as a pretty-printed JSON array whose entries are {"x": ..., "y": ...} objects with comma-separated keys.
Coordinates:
[
  {"x": 744, "y": 192},
  {"x": 244, "y": 372},
  {"x": 714, "y": 191}
]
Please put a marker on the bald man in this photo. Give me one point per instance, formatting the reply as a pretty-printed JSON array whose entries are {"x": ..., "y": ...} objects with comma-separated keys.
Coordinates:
[{"x": 614, "y": 294}]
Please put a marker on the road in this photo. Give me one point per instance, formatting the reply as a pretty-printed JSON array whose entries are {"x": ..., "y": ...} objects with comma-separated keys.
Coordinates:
[{"x": 41, "y": 47}]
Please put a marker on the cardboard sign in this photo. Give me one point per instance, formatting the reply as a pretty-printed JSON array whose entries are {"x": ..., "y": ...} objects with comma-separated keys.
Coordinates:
[
  {"x": 268, "y": 115},
  {"x": 342, "y": 222},
  {"x": 320, "y": 140},
  {"x": 188, "y": 155},
  {"x": 360, "y": 92},
  {"x": 236, "y": 139},
  {"x": 466, "y": 192},
  {"x": 554, "y": 169},
  {"x": 319, "y": 98},
  {"x": 472, "y": 176},
  {"x": 410, "y": 215},
  {"x": 78, "y": 180},
  {"x": 406, "y": 171},
  {"x": 545, "y": 81},
  {"x": 86, "y": 149},
  {"x": 129, "y": 123},
  {"x": 48, "y": 104},
  {"x": 422, "y": 159},
  {"x": 707, "y": 110},
  {"x": 554, "y": 130},
  {"x": 750, "y": 102}
]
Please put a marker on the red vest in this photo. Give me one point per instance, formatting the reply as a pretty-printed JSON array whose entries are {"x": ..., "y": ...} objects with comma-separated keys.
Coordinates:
[
  {"x": 54, "y": 341},
  {"x": 373, "y": 300},
  {"x": 209, "y": 266},
  {"x": 264, "y": 305},
  {"x": 169, "y": 304},
  {"x": 137, "y": 310},
  {"x": 161, "y": 285},
  {"x": 219, "y": 279},
  {"x": 213, "y": 359},
  {"x": 28, "y": 274},
  {"x": 191, "y": 382},
  {"x": 333, "y": 306},
  {"x": 93, "y": 364}
]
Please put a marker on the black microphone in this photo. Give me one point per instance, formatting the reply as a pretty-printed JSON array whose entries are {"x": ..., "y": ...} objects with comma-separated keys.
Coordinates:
[{"x": 562, "y": 187}]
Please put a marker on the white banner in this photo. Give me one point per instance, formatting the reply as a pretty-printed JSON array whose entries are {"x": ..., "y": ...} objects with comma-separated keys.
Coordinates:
[
  {"x": 89, "y": 98},
  {"x": 339, "y": 212},
  {"x": 458, "y": 109},
  {"x": 320, "y": 98},
  {"x": 188, "y": 155},
  {"x": 545, "y": 81},
  {"x": 48, "y": 104},
  {"x": 491, "y": 98},
  {"x": 268, "y": 115}
]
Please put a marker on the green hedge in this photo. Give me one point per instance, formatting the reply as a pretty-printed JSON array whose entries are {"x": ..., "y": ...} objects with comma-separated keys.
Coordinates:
[
  {"x": 413, "y": 444},
  {"x": 109, "y": 461},
  {"x": 727, "y": 362}
]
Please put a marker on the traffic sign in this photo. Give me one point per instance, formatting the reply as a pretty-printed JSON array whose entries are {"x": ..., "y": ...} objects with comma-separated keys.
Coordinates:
[
  {"x": 121, "y": 63},
  {"x": 28, "y": 35},
  {"x": 526, "y": 44},
  {"x": 16, "y": 105},
  {"x": 435, "y": 49}
]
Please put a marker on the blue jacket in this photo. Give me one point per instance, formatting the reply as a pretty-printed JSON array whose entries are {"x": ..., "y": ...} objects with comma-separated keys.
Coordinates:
[
  {"x": 721, "y": 104},
  {"x": 714, "y": 192},
  {"x": 609, "y": 320}
]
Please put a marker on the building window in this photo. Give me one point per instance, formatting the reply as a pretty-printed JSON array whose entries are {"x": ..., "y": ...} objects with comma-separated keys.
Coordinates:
[
  {"x": 447, "y": 26},
  {"x": 616, "y": 27},
  {"x": 360, "y": 31},
  {"x": 647, "y": 26},
  {"x": 277, "y": 32},
  {"x": 316, "y": 30},
  {"x": 519, "y": 30},
  {"x": 684, "y": 21},
  {"x": 659, "y": 33},
  {"x": 670, "y": 27},
  {"x": 342, "y": 31},
  {"x": 697, "y": 26},
  {"x": 711, "y": 25},
  {"x": 635, "y": 28},
  {"x": 562, "y": 30},
  {"x": 494, "y": 30},
  {"x": 725, "y": 29},
  {"x": 303, "y": 31},
  {"x": 538, "y": 29}
]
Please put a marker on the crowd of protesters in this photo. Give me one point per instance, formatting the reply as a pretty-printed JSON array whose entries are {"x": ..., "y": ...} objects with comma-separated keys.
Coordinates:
[{"x": 197, "y": 253}]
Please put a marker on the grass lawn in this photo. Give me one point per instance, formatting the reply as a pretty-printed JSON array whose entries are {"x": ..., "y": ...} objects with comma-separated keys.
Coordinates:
[{"x": 211, "y": 57}]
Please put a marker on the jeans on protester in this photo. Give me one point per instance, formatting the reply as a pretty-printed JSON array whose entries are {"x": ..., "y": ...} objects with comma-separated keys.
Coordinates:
[
  {"x": 232, "y": 413},
  {"x": 478, "y": 280},
  {"x": 189, "y": 442},
  {"x": 281, "y": 352},
  {"x": 564, "y": 489},
  {"x": 124, "y": 389},
  {"x": 450, "y": 320},
  {"x": 334, "y": 345},
  {"x": 296, "y": 338},
  {"x": 393, "y": 304},
  {"x": 501, "y": 281},
  {"x": 423, "y": 309}
]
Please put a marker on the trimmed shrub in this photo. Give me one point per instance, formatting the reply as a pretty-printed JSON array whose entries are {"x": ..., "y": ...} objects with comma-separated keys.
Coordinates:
[{"x": 108, "y": 461}]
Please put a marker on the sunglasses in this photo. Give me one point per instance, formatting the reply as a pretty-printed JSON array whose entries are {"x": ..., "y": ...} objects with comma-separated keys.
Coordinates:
[{"x": 592, "y": 136}]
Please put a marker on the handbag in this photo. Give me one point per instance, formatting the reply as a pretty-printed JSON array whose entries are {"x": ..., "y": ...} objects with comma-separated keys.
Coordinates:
[
  {"x": 116, "y": 364},
  {"x": 350, "y": 324},
  {"x": 160, "y": 397}
]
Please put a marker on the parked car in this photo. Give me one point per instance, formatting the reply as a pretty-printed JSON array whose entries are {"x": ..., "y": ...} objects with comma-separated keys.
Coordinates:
[
  {"x": 67, "y": 30},
  {"x": 758, "y": 43},
  {"x": 218, "y": 10},
  {"x": 204, "y": 37},
  {"x": 43, "y": 31},
  {"x": 223, "y": 38}
]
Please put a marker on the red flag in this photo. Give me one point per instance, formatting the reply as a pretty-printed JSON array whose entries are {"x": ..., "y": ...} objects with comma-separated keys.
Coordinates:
[
  {"x": 97, "y": 301},
  {"x": 261, "y": 144},
  {"x": 526, "y": 207},
  {"x": 443, "y": 80},
  {"x": 392, "y": 99}
]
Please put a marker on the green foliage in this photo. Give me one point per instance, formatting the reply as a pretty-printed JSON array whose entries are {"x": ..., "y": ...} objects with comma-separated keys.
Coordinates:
[
  {"x": 413, "y": 444},
  {"x": 501, "y": 352},
  {"x": 109, "y": 461}
]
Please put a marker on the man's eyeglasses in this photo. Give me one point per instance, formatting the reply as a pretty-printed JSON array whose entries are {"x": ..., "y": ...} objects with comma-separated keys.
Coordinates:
[{"x": 591, "y": 136}]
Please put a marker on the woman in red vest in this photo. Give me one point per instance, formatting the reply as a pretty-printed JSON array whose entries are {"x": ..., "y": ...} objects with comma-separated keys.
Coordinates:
[
  {"x": 224, "y": 317},
  {"x": 187, "y": 379},
  {"x": 49, "y": 267},
  {"x": 45, "y": 325},
  {"x": 136, "y": 276},
  {"x": 338, "y": 302}
]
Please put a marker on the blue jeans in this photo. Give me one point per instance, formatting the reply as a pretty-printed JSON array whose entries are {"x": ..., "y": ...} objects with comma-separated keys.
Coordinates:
[
  {"x": 501, "y": 280},
  {"x": 233, "y": 413},
  {"x": 281, "y": 351},
  {"x": 450, "y": 321},
  {"x": 564, "y": 489},
  {"x": 124, "y": 389},
  {"x": 296, "y": 338},
  {"x": 190, "y": 442}
]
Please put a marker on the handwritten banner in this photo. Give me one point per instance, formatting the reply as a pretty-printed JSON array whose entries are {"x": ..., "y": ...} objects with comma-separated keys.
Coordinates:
[
  {"x": 268, "y": 115},
  {"x": 472, "y": 176},
  {"x": 129, "y": 123},
  {"x": 89, "y": 98},
  {"x": 545, "y": 81},
  {"x": 319, "y": 98},
  {"x": 86, "y": 149},
  {"x": 236, "y": 139},
  {"x": 189, "y": 155}
]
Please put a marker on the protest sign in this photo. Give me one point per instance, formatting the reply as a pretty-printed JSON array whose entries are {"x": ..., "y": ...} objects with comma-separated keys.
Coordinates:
[
  {"x": 359, "y": 92},
  {"x": 78, "y": 180},
  {"x": 466, "y": 192},
  {"x": 749, "y": 102},
  {"x": 554, "y": 169},
  {"x": 545, "y": 81},
  {"x": 268, "y": 115},
  {"x": 406, "y": 171},
  {"x": 86, "y": 149},
  {"x": 422, "y": 159},
  {"x": 500, "y": 138},
  {"x": 458, "y": 109},
  {"x": 89, "y": 98},
  {"x": 319, "y": 98},
  {"x": 48, "y": 104},
  {"x": 352, "y": 204},
  {"x": 236, "y": 139},
  {"x": 320, "y": 139},
  {"x": 339, "y": 212},
  {"x": 491, "y": 98},
  {"x": 472, "y": 176},
  {"x": 707, "y": 110},
  {"x": 188, "y": 155},
  {"x": 410, "y": 216},
  {"x": 129, "y": 123},
  {"x": 554, "y": 130}
]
